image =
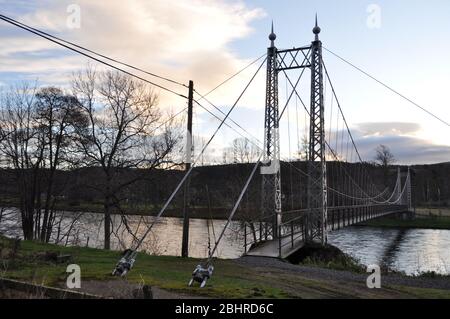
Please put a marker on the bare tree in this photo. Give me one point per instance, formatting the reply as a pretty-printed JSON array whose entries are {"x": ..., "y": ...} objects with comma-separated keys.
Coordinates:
[
  {"x": 384, "y": 156},
  {"x": 244, "y": 151},
  {"x": 303, "y": 149},
  {"x": 22, "y": 148},
  {"x": 120, "y": 134},
  {"x": 36, "y": 128},
  {"x": 227, "y": 155},
  {"x": 58, "y": 117}
]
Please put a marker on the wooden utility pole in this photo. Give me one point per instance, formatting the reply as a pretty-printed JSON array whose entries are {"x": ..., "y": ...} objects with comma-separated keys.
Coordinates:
[{"x": 185, "y": 242}]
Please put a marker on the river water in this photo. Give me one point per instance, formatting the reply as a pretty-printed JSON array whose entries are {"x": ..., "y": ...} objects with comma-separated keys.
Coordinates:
[{"x": 411, "y": 251}]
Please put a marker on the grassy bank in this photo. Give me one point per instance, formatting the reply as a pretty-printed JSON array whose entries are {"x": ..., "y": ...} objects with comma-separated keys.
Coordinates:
[
  {"x": 419, "y": 222},
  {"x": 433, "y": 212},
  {"x": 31, "y": 263},
  {"x": 169, "y": 273}
]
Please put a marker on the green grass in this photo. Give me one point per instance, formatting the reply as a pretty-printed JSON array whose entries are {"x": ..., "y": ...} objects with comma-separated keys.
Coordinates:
[
  {"x": 329, "y": 257},
  {"x": 341, "y": 263},
  {"x": 229, "y": 281},
  {"x": 433, "y": 211},
  {"x": 424, "y": 223},
  {"x": 169, "y": 273},
  {"x": 422, "y": 293}
]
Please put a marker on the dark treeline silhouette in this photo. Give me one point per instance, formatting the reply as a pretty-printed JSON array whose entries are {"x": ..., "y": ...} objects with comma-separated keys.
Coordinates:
[{"x": 214, "y": 189}]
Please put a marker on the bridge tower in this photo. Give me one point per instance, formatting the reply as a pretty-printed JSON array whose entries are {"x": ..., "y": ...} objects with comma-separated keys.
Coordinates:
[
  {"x": 408, "y": 191},
  {"x": 316, "y": 220},
  {"x": 398, "y": 189},
  {"x": 271, "y": 177}
]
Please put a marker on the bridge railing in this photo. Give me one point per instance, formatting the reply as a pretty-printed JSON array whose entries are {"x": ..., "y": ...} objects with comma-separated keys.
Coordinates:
[
  {"x": 257, "y": 231},
  {"x": 292, "y": 228},
  {"x": 291, "y": 232}
]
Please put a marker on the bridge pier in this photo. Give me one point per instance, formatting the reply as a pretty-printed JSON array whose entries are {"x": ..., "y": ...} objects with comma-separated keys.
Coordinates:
[
  {"x": 345, "y": 217},
  {"x": 347, "y": 213},
  {"x": 332, "y": 220}
]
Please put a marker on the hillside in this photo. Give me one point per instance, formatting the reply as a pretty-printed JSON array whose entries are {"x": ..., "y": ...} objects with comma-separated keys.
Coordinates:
[{"x": 215, "y": 188}]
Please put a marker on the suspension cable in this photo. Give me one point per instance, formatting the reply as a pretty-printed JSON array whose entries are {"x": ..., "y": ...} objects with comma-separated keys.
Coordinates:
[
  {"x": 388, "y": 87},
  {"x": 10, "y": 21},
  {"x": 197, "y": 159}
]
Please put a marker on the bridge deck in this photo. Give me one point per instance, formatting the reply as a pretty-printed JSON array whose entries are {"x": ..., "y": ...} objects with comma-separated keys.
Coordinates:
[{"x": 271, "y": 248}]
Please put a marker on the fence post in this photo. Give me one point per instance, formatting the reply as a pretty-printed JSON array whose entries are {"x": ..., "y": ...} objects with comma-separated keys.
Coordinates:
[
  {"x": 292, "y": 234},
  {"x": 245, "y": 238},
  {"x": 279, "y": 242}
]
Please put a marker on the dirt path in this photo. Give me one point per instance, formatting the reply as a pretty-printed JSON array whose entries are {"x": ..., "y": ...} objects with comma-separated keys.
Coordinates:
[
  {"x": 297, "y": 281},
  {"x": 123, "y": 289},
  {"x": 314, "y": 282}
]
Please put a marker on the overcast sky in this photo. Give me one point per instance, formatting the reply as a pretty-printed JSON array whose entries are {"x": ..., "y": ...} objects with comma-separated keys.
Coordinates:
[{"x": 404, "y": 43}]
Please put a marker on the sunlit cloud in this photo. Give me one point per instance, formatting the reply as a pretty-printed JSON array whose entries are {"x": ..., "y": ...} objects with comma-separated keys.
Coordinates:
[
  {"x": 402, "y": 139},
  {"x": 186, "y": 39}
]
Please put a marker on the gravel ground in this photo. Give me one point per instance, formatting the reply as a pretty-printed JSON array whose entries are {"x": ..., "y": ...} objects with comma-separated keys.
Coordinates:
[
  {"x": 122, "y": 289},
  {"x": 337, "y": 275}
]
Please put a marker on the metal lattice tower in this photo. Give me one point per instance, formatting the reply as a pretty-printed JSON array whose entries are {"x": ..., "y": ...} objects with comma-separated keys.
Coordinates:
[
  {"x": 408, "y": 191},
  {"x": 316, "y": 223},
  {"x": 271, "y": 177},
  {"x": 398, "y": 185}
]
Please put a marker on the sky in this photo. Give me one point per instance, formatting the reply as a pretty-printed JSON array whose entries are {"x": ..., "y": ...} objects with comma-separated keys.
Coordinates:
[{"x": 404, "y": 43}]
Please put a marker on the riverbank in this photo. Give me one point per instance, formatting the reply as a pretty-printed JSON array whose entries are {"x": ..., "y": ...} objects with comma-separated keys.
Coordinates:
[
  {"x": 419, "y": 222},
  {"x": 433, "y": 212},
  {"x": 243, "y": 278},
  {"x": 133, "y": 210}
]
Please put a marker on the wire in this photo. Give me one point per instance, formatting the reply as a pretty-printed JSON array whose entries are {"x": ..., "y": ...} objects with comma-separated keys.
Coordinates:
[
  {"x": 28, "y": 28},
  {"x": 228, "y": 125},
  {"x": 96, "y": 53},
  {"x": 10, "y": 21},
  {"x": 203, "y": 96},
  {"x": 236, "y": 206},
  {"x": 345, "y": 121},
  {"x": 388, "y": 87},
  {"x": 327, "y": 144},
  {"x": 231, "y": 77},
  {"x": 223, "y": 113},
  {"x": 169, "y": 200},
  {"x": 237, "y": 124}
]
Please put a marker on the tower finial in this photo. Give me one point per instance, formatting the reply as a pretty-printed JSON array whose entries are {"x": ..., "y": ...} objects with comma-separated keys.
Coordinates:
[
  {"x": 272, "y": 36},
  {"x": 316, "y": 29}
]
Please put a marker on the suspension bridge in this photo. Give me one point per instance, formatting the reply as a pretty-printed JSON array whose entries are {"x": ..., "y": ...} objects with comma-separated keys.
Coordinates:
[
  {"x": 331, "y": 203},
  {"x": 281, "y": 233},
  {"x": 334, "y": 198}
]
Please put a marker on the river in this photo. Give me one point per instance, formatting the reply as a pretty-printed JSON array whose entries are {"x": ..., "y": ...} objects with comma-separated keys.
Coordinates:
[{"x": 410, "y": 251}]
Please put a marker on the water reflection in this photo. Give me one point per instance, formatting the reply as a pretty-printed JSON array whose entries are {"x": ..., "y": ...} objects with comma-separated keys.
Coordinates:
[{"x": 411, "y": 251}]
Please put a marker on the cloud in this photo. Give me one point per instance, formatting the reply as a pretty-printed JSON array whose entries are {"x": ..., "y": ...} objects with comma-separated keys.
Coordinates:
[
  {"x": 403, "y": 140},
  {"x": 183, "y": 39},
  {"x": 388, "y": 128}
]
